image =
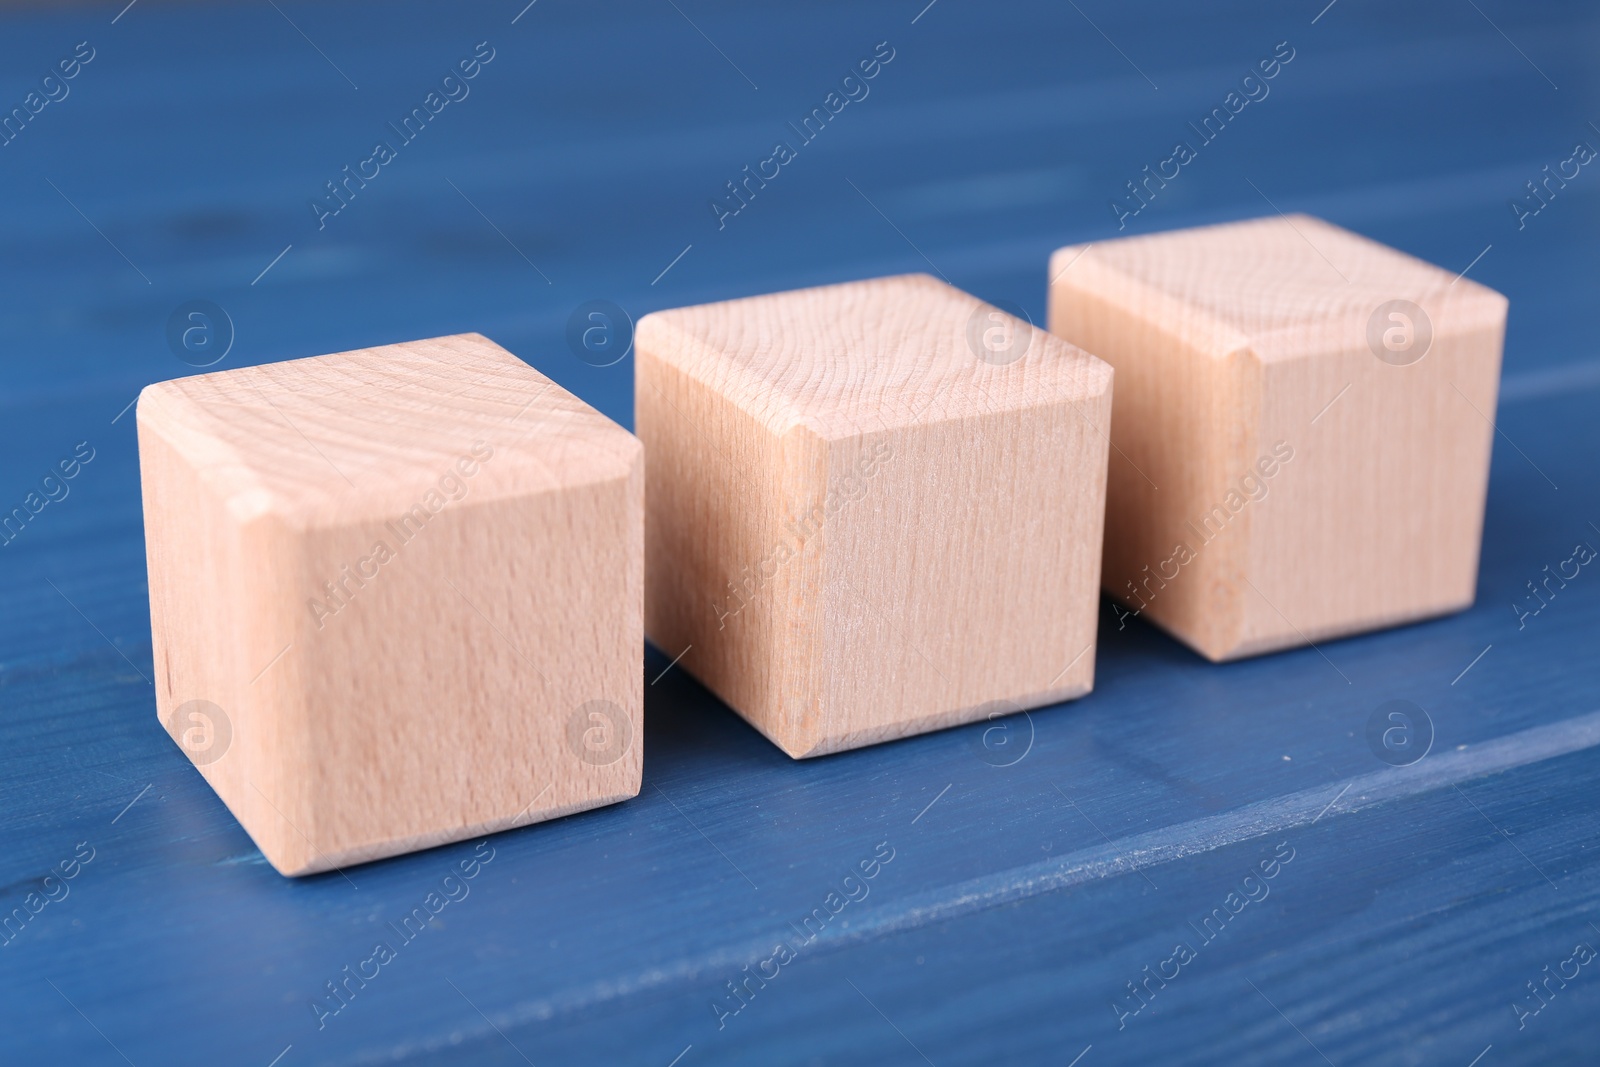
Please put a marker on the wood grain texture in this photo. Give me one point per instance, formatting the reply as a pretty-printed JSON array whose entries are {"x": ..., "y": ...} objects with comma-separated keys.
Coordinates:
[
  {"x": 398, "y": 576},
  {"x": 1294, "y": 462},
  {"x": 858, "y": 529}
]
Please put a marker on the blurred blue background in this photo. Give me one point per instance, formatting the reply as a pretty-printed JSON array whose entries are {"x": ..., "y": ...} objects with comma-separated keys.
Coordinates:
[{"x": 180, "y": 164}]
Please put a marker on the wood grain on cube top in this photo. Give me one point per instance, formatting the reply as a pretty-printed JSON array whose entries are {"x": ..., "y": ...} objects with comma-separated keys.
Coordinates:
[
  {"x": 336, "y": 436},
  {"x": 869, "y": 355},
  {"x": 406, "y": 583},
  {"x": 1280, "y": 286},
  {"x": 1240, "y": 344},
  {"x": 860, "y": 525}
]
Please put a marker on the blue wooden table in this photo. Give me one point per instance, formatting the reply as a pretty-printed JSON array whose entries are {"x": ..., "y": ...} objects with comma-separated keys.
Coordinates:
[{"x": 1031, "y": 888}]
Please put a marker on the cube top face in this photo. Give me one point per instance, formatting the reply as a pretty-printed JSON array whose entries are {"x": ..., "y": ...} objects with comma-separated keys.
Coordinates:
[
  {"x": 330, "y": 439},
  {"x": 870, "y": 355},
  {"x": 874, "y": 510},
  {"x": 1281, "y": 287}
]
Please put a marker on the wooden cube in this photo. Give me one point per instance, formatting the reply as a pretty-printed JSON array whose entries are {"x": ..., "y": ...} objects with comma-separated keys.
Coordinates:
[
  {"x": 875, "y": 508},
  {"x": 396, "y": 596},
  {"x": 1302, "y": 428}
]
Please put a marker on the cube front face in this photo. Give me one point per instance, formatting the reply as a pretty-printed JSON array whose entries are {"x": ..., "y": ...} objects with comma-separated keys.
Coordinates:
[
  {"x": 482, "y": 643},
  {"x": 967, "y": 582},
  {"x": 454, "y": 653},
  {"x": 1314, "y": 409},
  {"x": 857, "y": 528}
]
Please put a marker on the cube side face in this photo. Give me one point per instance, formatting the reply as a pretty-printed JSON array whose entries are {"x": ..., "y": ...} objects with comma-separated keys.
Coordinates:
[
  {"x": 962, "y": 570},
  {"x": 414, "y": 742},
  {"x": 218, "y": 631},
  {"x": 1378, "y": 520},
  {"x": 1182, "y": 423},
  {"x": 727, "y": 575}
]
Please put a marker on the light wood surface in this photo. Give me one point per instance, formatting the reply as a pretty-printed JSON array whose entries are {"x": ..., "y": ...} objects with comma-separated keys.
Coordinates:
[
  {"x": 858, "y": 529},
  {"x": 410, "y": 579},
  {"x": 1292, "y": 461}
]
